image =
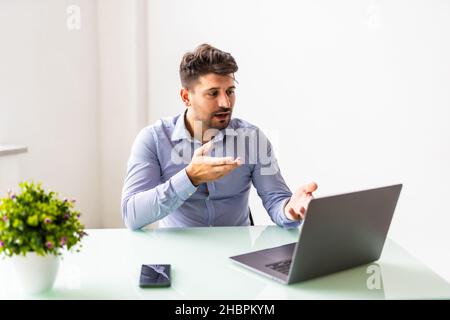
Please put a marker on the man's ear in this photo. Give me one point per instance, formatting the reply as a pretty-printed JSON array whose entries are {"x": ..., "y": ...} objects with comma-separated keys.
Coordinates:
[{"x": 184, "y": 93}]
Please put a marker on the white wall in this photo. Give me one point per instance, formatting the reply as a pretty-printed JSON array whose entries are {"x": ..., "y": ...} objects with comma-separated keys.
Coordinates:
[
  {"x": 356, "y": 92},
  {"x": 75, "y": 98},
  {"x": 48, "y": 99},
  {"x": 122, "y": 27},
  {"x": 9, "y": 171}
]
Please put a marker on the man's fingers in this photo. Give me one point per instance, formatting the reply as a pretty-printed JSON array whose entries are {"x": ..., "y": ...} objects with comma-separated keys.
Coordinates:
[
  {"x": 207, "y": 147},
  {"x": 294, "y": 214},
  {"x": 222, "y": 170},
  {"x": 221, "y": 161},
  {"x": 299, "y": 206},
  {"x": 309, "y": 188},
  {"x": 204, "y": 149}
]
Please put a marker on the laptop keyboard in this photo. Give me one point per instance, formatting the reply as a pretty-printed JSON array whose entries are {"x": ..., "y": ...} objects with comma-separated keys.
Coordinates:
[{"x": 280, "y": 266}]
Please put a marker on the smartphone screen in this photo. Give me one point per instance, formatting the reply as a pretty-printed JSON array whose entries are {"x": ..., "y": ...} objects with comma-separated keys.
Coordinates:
[{"x": 155, "y": 275}]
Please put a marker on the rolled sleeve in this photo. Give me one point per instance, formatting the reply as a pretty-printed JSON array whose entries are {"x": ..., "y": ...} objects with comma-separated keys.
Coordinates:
[
  {"x": 285, "y": 221},
  {"x": 182, "y": 185}
]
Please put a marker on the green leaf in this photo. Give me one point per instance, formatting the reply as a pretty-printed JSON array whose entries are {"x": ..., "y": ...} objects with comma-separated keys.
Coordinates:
[{"x": 33, "y": 221}]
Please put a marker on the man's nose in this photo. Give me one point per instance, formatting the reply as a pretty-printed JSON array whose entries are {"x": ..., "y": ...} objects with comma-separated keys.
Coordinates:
[{"x": 224, "y": 100}]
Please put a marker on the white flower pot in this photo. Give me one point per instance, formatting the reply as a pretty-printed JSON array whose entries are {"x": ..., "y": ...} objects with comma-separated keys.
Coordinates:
[{"x": 36, "y": 273}]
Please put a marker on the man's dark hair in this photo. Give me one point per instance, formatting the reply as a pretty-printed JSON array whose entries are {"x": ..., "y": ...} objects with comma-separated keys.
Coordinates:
[{"x": 203, "y": 60}]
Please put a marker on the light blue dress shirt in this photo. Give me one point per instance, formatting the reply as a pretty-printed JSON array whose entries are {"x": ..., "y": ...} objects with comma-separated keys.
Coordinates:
[{"x": 157, "y": 188}]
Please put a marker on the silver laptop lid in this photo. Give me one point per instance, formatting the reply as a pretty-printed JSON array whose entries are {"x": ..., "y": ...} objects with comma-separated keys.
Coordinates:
[{"x": 343, "y": 231}]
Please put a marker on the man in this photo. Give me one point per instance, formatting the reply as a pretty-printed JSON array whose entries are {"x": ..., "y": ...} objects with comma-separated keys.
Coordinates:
[{"x": 175, "y": 175}]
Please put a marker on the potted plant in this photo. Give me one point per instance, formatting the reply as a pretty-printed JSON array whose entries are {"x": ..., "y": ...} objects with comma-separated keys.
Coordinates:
[{"x": 35, "y": 226}]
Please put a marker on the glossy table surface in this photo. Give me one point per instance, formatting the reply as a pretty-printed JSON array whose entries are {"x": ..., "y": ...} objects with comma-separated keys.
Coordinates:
[{"x": 109, "y": 263}]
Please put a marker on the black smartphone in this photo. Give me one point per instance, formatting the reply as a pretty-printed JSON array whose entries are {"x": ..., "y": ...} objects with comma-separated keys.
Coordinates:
[{"x": 155, "y": 275}]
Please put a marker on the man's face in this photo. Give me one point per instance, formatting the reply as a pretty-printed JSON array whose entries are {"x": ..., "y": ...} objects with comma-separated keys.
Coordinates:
[{"x": 211, "y": 100}]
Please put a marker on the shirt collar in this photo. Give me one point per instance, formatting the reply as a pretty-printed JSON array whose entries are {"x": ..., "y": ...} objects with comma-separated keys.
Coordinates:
[{"x": 180, "y": 132}]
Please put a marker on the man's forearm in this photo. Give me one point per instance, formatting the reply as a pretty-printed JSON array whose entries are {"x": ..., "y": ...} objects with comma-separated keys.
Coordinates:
[{"x": 148, "y": 206}]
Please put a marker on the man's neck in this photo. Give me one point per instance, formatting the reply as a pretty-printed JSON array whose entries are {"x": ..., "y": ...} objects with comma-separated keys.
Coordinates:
[{"x": 195, "y": 127}]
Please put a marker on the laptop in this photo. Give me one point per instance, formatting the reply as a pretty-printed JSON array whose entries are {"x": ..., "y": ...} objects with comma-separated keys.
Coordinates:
[{"x": 339, "y": 232}]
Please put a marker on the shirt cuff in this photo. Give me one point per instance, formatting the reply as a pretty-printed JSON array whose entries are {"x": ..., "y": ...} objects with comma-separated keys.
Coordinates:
[
  {"x": 285, "y": 221},
  {"x": 182, "y": 185}
]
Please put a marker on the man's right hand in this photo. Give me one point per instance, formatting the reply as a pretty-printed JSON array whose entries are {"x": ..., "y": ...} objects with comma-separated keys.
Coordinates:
[{"x": 203, "y": 168}]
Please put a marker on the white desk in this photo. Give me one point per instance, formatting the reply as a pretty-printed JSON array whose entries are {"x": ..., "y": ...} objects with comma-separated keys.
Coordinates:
[
  {"x": 108, "y": 268},
  {"x": 10, "y": 149}
]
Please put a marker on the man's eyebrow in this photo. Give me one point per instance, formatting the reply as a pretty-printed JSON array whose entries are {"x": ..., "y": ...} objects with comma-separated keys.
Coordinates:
[{"x": 216, "y": 88}]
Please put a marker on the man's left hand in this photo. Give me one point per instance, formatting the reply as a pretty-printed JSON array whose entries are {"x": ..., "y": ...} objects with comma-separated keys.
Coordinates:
[{"x": 296, "y": 208}]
